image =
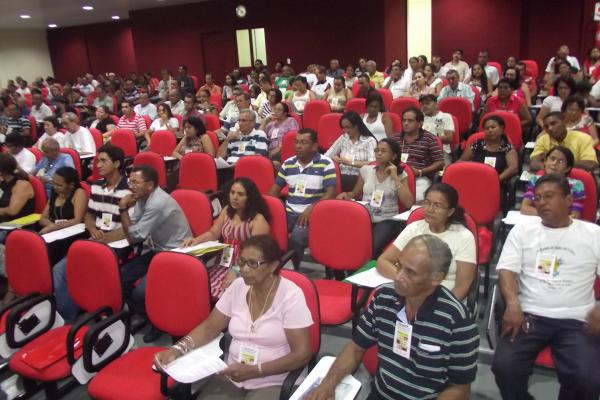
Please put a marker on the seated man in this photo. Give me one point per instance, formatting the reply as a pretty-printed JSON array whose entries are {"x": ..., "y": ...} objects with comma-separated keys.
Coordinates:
[
  {"x": 506, "y": 101},
  {"x": 175, "y": 102},
  {"x": 39, "y": 110},
  {"x": 456, "y": 88},
  {"x": 458, "y": 65},
  {"x": 244, "y": 142},
  {"x": 395, "y": 83},
  {"x": 132, "y": 121},
  {"x": 556, "y": 133},
  {"x": 17, "y": 123},
  {"x": 77, "y": 138},
  {"x": 310, "y": 177},
  {"x": 130, "y": 93},
  {"x": 210, "y": 85},
  {"x": 375, "y": 76},
  {"x": 103, "y": 99},
  {"x": 15, "y": 144},
  {"x": 53, "y": 159},
  {"x": 419, "y": 149},
  {"x": 427, "y": 340},
  {"x": 242, "y": 101},
  {"x": 102, "y": 217},
  {"x": 323, "y": 83},
  {"x": 439, "y": 123},
  {"x": 145, "y": 107},
  {"x": 546, "y": 277}
]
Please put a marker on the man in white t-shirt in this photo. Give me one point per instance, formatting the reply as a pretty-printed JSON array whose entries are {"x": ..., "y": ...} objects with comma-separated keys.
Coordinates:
[
  {"x": 395, "y": 83},
  {"x": 15, "y": 144},
  {"x": 39, "y": 110},
  {"x": 458, "y": 64},
  {"x": 546, "y": 275},
  {"x": 439, "y": 123},
  {"x": 563, "y": 53},
  {"x": 323, "y": 83},
  {"x": 78, "y": 138},
  {"x": 145, "y": 107}
]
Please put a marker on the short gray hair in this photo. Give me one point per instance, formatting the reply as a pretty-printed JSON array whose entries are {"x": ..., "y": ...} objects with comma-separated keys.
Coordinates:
[
  {"x": 249, "y": 112},
  {"x": 438, "y": 251},
  {"x": 50, "y": 144},
  {"x": 70, "y": 116}
]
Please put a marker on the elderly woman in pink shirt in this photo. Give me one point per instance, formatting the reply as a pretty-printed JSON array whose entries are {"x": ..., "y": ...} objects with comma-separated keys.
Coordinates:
[{"x": 269, "y": 322}]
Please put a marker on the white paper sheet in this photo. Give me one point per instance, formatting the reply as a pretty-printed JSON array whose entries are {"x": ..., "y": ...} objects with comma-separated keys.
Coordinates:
[
  {"x": 119, "y": 244},
  {"x": 525, "y": 176},
  {"x": 221, "y": 163},
  {"x": 201, "y": 246},
  {"x": 197, "y": 364},
  {"x": 369, "y": 278},
  {"x": 7, "y": 227},
  {"x": 530, "y": 145},
  {"x": 514, "y": 217},
  {"x": 169, "y": 158},
  {"x": 405, "y": 214},
  {"x": 84, "y": 156},
  {"x": 64, "y": 233},
  {"x": 347, "y": 389}
]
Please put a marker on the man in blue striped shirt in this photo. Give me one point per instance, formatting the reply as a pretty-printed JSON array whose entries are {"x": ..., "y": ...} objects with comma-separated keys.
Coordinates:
[
  {"x": 310, "y": 177},
  {"x": 427, "y": 340},
  {"x": 246, "y": 141}
]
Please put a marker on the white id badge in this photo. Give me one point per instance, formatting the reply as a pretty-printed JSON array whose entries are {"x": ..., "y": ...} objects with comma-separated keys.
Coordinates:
[
  {"x": 226, "y": 257},
  {"x": 491, "y": 161},
  {"x": 335, "y": 101},
  {"x": 299, "y": 106},
  {"x": 546, "y": 266},
  {"x": 402, "y": 339},
  {"x": 248, "y": 355},
  {"x": 242, "y": 147},
  {"x": 300, "y": 189},
  {"x": 274, "y": 133},
  {"x": 377, "y": 198},
  {"x": 106, "y": 220},
  {"x": 404, "y": 157},
  {"x": 41, "y": 172}
]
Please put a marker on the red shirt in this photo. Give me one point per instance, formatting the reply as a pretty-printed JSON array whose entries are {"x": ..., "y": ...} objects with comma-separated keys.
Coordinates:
[
  {"x": 512, "y": 105},
  {"x": 136, "y": 123}
]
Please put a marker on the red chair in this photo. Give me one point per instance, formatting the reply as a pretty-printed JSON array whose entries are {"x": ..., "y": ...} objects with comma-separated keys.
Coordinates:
[
  {"x": 278, "y": 222},
  {"x": 496, "y": 65},
  {"x": 297, "y": 118},
  {"x": 39, "y": 194},
  {"x": 115, "y": 119},
  {"x": 456, "y": 135},
  {"x": 531, "y": 67},
  {"x": 125, "y": 140},
  {"x": 155, "y": 161},
  {"x": 163, "y": 143},
  {"x": 75, "y": 157},
  {"x": 215, "y": 98},
  {"x": 197, "y": 209},
  {"x": 590, "y": 203},
  {"x": 179, "y": 119},
  {"x": 37, "y": 153},
  {"x": 94, "y": 284},
  {"x": 412, "y": 186},
  {"x": 512, "y": 127},
  {"x": 97, "y": 135},
  {"x": 355, "y": 88},
  {"x": 214, "y": 140},
  {"x": 476, "y": 98},
  {"x": 402, "y": 103},
  {"x": 339, "y": 238},
  {"x": 197, "y": 171},
  {"x": 461, "y": 109},
  {"x": 147, "y": 121},
  {"x": 288, "y": 145},
  {"x": 328, "y": 130},
  {"x": 258, "y": 169},
  {"x": 211, "y": 122},
  {"x": 396, "y": 121},
  {"x": 195, "y": 79},
  {"x": 387, "y": 97},
  {"x": 86, "y": 188},
  {"x": 95, "y": 172},
  {"x": 28, "y": 99},
  {"x": 33, "y": 130},
  {"x": 177, "y": 301},
  {"x": 357, "y": 105},
  {"x": 313, "y": 111}
]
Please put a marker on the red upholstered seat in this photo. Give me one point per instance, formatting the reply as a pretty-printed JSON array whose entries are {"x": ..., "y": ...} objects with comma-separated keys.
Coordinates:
[
  {"x": 125, "y": 140},
  {"x": 544, "y": 359},
  {"x": 163, "y": 143},
  {"x": 313, "y": 111},
  {"x": 388, "y": 98},
  {"x": 590, "y": 203},
  {"x": 39, "y": 194},
  {"x": 278, "y": 222},
  {"x": 402, "y": 103},
  {"x": 288, "y": 145},
  {"x": 328, "y": 130},
  {"x": 155, "y": 161},
  {"x": 75, "y": 157},
  {"x": 358, "y": 105},
  {"x": 197, "y": 209},
  {"x": 258, "y": 169},
  {"x": 211, "y": 122},
  {"x": 335, "y": 298},
  {"x": 197, "y": 171},
  {"x": 460, "y": 108}
]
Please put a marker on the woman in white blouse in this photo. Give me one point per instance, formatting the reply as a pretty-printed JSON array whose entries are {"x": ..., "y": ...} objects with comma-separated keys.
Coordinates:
[
  {"x": 353, "y": 149},
  {"x": 164, "y": 122},
  {"x": 563, "y": 88},
  {"x": 379, "y": 124}
]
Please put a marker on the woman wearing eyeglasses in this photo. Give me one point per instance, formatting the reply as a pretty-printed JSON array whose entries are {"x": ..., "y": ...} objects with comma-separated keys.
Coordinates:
[
  {"x": 559, "y": 160},
  {"x": 444, "y": 218},
  {"x": 268, "y": 320},
  {"x": 244, "y": 215}
]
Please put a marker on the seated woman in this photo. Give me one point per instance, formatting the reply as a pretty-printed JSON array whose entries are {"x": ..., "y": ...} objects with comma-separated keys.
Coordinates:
[
  {"x": 563, "y": 88},
  {"x": 67, "y": 203},
  {"x": 276, "y": 126},
  {"x": 103, "y": 122},
  {"x": 494, "y": 149},
  {"x": 383, "y": 186},
  {"x": 480, "y": 80},
  {"x": 165, "y": 122},
  {"x": 353, "y": 149},
  {"x": 195, "y": 139},
  {"x": 419, "y": 86},
  {"x": 16, "y": 193},
  {"x": 434, "y": 82},
  {"x": 379, "y": 124},
  {"x": 518, "y": 84},
  {"x": 338, "y": 95},
  {"x": 559, "y": 160},
  {"x": 350, "y": 77},
  {"x": 507, "y": 101},
  {"x": 203, "y": 103},
  {"x": 244, "y": 215},
  {"x": 269, "y": 322},
  {"x": 300, "y": 95},
  {"x": 274, "y": 97},
  {"x": 576, "y": 118},
  {"x": 51, "y": 130},
  {"x": 444, "y": 218}
]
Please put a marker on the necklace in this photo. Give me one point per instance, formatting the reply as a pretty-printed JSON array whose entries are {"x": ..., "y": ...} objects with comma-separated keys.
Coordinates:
[{"x": 263, "y": 307}]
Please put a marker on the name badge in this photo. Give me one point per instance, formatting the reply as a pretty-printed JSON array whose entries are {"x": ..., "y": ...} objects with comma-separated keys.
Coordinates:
[
  {"x": 376, "y": 199},
  {"x": 242, "y": 147},
  {"x": 491, "y": 161},
  {"x": 226, "y": 257},
  {"x": 274, "y": 133},
  {"x": 299, "y": 105},
  {"x": 335, "y": 101},
  {"x": 248, "y": 355},
  {"x": 41, "y": 172},
  {"x": 546, "y": 266},
  {"x": 404, "y": 157},
  {"x": 106, "y": 220},
  {"x": 402, "y": 339},
  {"x": 300, "y": 188}
]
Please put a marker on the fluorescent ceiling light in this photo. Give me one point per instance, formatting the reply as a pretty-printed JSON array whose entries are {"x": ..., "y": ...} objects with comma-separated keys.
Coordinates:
[
  {"x": 52, "y": 25},
  {"x": 25, "y": 16},
  {"x": 88, "y": 8},
  {"x": 115, "y": 17}
]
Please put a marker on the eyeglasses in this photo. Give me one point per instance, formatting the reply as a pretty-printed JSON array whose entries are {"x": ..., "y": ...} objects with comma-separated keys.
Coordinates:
[
  {"x": 135, "y": 183},
  {"x": 252, "y": 264},
  {"x": 381, "y": 151},
  {"x": 557, "y": 160},
  {"x": 545, "y": 196},
  {"x": 435, "y": 206}
]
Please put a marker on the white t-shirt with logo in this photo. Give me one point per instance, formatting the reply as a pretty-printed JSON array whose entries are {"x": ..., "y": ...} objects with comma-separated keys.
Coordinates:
[{"x": 437, "y": 124}]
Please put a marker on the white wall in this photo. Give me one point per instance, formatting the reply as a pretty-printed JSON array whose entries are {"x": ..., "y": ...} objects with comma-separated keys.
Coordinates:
[{"x": 24, "y": 52}]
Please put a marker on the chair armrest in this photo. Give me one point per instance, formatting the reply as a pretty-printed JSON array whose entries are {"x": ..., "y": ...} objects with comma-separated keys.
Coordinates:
[
  {"x": 39, "y": 322},
  {"x": 288, "y": 384},
  {"x": 356, "y": 303},
  {"x": 495, "y": 312},
  {"x": 177, "y": 391},
  {"x": 287, "y": 257},
  {"x": 96, "y": 340},
  {"x": 83, "y": 320},
  {"x": 497, "y": 235}
]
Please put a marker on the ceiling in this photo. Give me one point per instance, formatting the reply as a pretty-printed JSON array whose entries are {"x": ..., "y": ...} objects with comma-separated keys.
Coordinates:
[{"x": 70, "y": 13}]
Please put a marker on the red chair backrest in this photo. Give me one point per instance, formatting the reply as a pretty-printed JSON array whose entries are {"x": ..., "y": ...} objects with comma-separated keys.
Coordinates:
[
  {"x": 328, "y": 130},
  {"x": 177, "y": 293},
  {"x": 473, "y": 138},
  {"x": 214, "y": 140},
  {"x": 197, "y": 209},
  {"x": 27, "y": 266},
  {"x": 33, "y": 130},
  {"x": 195, "y": 79},
  {"x": 179, "y": 119},
  {"x": 531, "y": 67},
  {"x": 97, "y": 135},
  {"x": 460, "y": 108},
  {"x": 86, "y": 188},
  {"x": 147, "y": 121},
  {"x": 497, "y": 65},
  {"x": 356, "y": 88},
  {"x": 512, "y": 127},
  {"x": 456, "y": 136},
  {"x": 115, "y": 119},
  {"x": 478, "y": 189},
  {"x": 358, "y": 105},
  {"x": 387, "y": 97},
  {"x": 297, "y": 118},
  {"x": 590, "y": 203},
  {"x": 197, "y": 171},
  {"x": 155, "y": 161},
  {"x": 75, "y": 157},
  {"x": 311, "y": 296},
  {"x": 412, "y": 185},
  {"x": 211, "y": 122},
  {"x": 215, "y": 98},
  {"x": 163, "y": 143},
  {"x": 400, "y": 104},
  {"x": 313, "y": 111},
  {"x": 288, "y": 145},
  {"x": 477, "y": 97},
  {"x": 258, "y": 169},
  {"x": 125, "y": 140},
  {"x": 396, "y": 121},
  {"x": 370, "y": 359},
  {"x": 278, "y": 222},
  {"x": 39, "y": 194},
  {"x": 37, "y": 153},
  {"x": 95, "y": 172},
  {"x": 339, "y": 234},
  {"x": 93, "y": 277}
]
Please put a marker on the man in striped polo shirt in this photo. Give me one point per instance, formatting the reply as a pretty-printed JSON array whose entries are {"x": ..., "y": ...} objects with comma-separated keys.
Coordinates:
[
  {"x": 427, "y": 341},
  {"x": 130, "y": 120},
  {"x": 246, "y": 141},
  {"x": 310, "y": 177},
  {"x": 419, "y": 149}
]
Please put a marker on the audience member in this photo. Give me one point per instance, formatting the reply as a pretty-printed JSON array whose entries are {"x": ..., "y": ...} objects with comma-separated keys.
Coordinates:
[
  {"x": 276, "y": 126},
  {"x": 175, "y": 102},
  {"x": 103, "y": 122},
  {"x": 338, "y": 95},
  {"x": 350, "y": 76},
  {"x": 274, "y": 97},
  {"x": 322, "y": 84},
  {"x": 66, "y": 203},
  {"x": 185, "y": 84},
  {"x": 374, "y": 76},
  {"x": 419, "y": 86},
  {"x": 164, "y": 86},
  {"x": 563, "y": 88},
  {"x": 145, "y": 107},
  {"x": 103, "y": 99},
  {"x": 51, "y": 130},
  {"x": 16, "y": 193},
  {"x": 457, "y": 88},
  {"x": 439, "y": 123},
  {"x": 377, "y": 122},
  {"x": 201, "y": 104},
  {"x": 491, "y": 72},
  {"x": 407, "y": 76},
  {"x": 334, "y": 70},
  {"x": 283, "y": 80},
  {"x": 165, "y": 122},
  {"x": 195, "y": 139},
  {"x": 394, "y": 82},
  {"x": 17, "y": 123},
  {"x": 39, "y": 110},
  {"x": 301, "y": 94},
  {"x": 132, "y": 121},
  {"x": 53, "y": 160},
  {"x": 15, "y": 144},
  {"x": 210, "y": 85},
  {"x": 458, "y": 65},
  {"x": 577, "y": 119},
  {"x": 130, "y": 92},
  {"x": 479, "y": 79},
  {"x": 244, "y": 141},
  {"x": 507, "y": 101},
  {"x": 432, "y": 80}
]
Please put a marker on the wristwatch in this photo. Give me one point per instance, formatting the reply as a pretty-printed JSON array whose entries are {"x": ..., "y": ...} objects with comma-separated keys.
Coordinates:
[{"x": 122, "y": 210}]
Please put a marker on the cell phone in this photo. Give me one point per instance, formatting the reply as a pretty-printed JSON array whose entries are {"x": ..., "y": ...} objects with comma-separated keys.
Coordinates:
[
  {"x": 103, "y": 344},
  {"x": 28, "y": 324}
]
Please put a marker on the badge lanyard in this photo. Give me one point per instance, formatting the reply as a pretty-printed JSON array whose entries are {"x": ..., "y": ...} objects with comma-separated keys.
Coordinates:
[{"x": 546, "y": 265}]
